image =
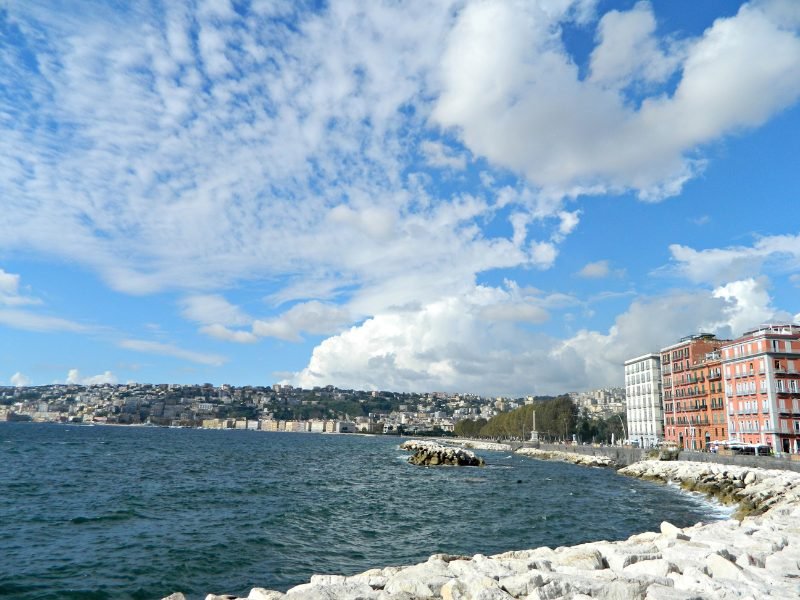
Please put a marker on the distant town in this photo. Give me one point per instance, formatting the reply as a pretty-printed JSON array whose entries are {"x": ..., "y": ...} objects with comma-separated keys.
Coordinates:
[{"x": 274, "y": 408}]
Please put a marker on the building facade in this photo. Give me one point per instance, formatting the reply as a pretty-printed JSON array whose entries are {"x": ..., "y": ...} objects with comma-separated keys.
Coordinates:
[
  {"x": 693, "y": 398},
  {"x": 643, "y": 400},
  {"x": 762, "y": 387}
]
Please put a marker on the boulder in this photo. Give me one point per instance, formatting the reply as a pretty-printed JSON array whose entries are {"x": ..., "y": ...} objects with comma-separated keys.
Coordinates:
[{"x": 262, "y": 594}]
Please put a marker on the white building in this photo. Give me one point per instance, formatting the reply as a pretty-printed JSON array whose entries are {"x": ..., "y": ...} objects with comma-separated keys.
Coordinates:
[{"x": 643, "y": 399}]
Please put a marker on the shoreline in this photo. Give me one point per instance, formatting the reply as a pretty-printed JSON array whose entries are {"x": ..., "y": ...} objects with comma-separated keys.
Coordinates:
[{"x": 753, "y": 554}]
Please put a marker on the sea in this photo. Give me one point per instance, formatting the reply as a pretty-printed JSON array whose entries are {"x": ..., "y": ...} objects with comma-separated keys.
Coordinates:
[{"x": 102, "y": 512}]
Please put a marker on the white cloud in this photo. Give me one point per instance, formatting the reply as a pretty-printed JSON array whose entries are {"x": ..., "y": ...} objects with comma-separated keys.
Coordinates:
[
  {"x": 721, "y": 265},
  {"x": 221, "y": 332},
  {"x": 569, "y": 221},
  {"x": 447, "y": 345},
  {"x": 310, "y": 317},
  {"x": 700, "y": 220},
  {"x": 543, "y": 254},
  {"x": 213, "y": 309},
  {"x": 9, "y": 291},
  {"x": 595, "y": 270},
  {"x": 173, "y": 351},
  {"x": 20, "y": 380},
  {"x": 439, "y": 155},
  {"x": 74, "y": 378},
  {"x": 628, "y": 50},
  {"x": 29, "y": 321},
  {"x": 749, "y": 304},
  {"x": 514, "y": 96}
]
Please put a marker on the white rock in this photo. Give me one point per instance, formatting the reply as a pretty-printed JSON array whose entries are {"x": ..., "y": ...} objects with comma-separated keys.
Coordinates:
[
  {"x": 721, "y": 568},
  {"x": 670, "y": 530},
  {"x": 620, "y": 556},
  {"x": 658, "y": 567},
  {"x": 262, "y": 594},
  {"x": 424, "y": 580},
  {"x": 522, "y": 584},
  {"x": 333, "y": 591},
  {"x": 473, "y": 587},
  {"x": 581, "y": 557}
]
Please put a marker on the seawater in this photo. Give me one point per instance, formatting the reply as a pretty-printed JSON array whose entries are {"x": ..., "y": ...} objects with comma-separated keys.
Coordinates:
[{"x": 134, "y": 512}]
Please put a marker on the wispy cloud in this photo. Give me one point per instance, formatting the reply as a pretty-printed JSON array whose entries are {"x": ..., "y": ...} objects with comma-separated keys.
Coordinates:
[
  {"x": 162, "y": 349},
  {"x": 30, "y": 321}
]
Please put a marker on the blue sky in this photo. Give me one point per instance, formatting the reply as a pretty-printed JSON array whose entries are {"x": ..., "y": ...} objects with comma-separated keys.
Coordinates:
[{"x": 487, "y": 196}]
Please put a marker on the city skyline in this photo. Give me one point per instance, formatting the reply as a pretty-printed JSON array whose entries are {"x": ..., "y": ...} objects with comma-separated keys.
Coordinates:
[{"x": 485, "y": 196}]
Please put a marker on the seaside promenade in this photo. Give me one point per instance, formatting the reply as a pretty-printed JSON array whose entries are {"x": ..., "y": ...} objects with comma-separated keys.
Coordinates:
[{"x": 751, "y": 557}]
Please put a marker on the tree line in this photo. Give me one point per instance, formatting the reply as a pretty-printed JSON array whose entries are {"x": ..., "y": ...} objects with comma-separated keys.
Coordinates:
[{"x": 557, "y": 419}]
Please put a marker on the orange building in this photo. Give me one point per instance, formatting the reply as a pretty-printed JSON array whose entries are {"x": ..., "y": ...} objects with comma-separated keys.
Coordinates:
[
  {"x": 694, "y": 402},
  {"x": 762, "y": 387}
]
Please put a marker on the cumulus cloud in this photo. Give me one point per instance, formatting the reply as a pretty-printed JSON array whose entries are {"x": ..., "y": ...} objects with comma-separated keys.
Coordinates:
[
  {"x": 543, "y": 254},
  {"x": 720, "y": 265},
  {"x": 74, "y": 377},
  {"x": 628, "y": 49},
  {"x": 515, "y": 96},
  {"x": 749, "y": 304},
  {"x": 313, "y": 317},
  {"x": 9, "y": 291},
  {"x": 595, "y": 270},
  {"x": 446, "y": 345},
  {"x": 20, "y": 380}
]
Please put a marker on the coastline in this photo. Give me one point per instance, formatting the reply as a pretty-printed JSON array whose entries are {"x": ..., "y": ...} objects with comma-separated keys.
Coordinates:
[{"x": 755, "y": 557}]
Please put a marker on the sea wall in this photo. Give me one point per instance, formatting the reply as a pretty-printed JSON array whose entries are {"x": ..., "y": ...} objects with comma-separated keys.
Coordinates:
[
  {"x": 621, "y": 455},
  {"x": 754, "y": 558},
  {"x": 570, "y": 457},
  {"x": 625, "y": 455}
]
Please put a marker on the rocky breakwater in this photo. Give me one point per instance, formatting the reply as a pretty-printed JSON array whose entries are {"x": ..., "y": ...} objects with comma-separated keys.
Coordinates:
[
  {"x": 481, "y": 445},
  {"x": 428, "y": 453},
  {"x": 570, "y": 457}
]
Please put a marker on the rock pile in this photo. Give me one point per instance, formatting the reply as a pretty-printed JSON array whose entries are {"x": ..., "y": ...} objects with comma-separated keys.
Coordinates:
[
  {"x": 433, "y": 454},
  {"x": 756, "y": 558},
  {"x": 570, "y": 457},
  {"x": 481, "y": 445},
  {"x": 754, "y": 490}
]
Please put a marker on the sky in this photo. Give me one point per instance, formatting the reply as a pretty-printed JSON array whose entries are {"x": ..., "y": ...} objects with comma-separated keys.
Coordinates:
[{"x": 488, "y": 196}]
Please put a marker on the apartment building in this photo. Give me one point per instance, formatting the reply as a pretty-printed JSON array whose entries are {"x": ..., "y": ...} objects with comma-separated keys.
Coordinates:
[
  {"x": 693, "y": 399},
  {"x": 762, "y": 387},
  {"x": 643, "y": 400}
]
